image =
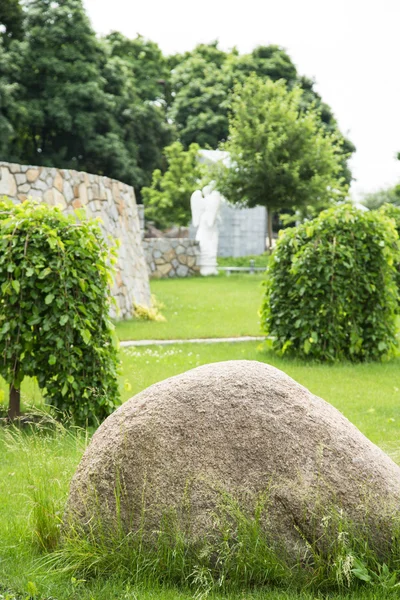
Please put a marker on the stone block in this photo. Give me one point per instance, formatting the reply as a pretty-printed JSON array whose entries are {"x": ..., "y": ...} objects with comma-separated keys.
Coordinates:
[
  {"x": 58, "y": 182},
  {"x": 20, "y": 178},
  {"x": 32, "y": 174},
  {"x": 48, "y": 197},
  {"x": 182, "y": 259},
  {"x": 83, "y": 194},
  {"x": 182, "y": 271},
  {"x": 24, "y": 188},
  {"x": 169, "y": 255},
  {"x": 39, "y": 185},
  {"x": 157, "y": 254},
  {"x": 59, "y": 199},
  {"x": 8, "y": 186},
  {"x": 164, "y": 269},
  {"x": 68, "y": 191}
]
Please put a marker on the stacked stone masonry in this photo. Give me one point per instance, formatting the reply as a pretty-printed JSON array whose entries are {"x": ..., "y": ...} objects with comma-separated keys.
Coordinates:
[
  {"x": 114, "y": 202},
  {"x": 172, "y": 257}
]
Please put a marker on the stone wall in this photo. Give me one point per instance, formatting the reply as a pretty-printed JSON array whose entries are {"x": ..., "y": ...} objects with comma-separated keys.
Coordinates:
[
  {"x": 172, "y": 257},
  {"x": 114, "y": 202}
]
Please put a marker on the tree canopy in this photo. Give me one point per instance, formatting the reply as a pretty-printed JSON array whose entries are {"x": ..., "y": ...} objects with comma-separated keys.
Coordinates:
[
  {"x": 110, "y": 105},
  {"x": 167, "y": 200},
  {"x": 281, "y": 156},
  {"x": 11, "y": 20}
]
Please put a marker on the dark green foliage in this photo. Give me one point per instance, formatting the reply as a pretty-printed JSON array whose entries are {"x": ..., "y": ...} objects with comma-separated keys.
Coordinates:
[
  {"x": 8, "y": 112},
  {"x": 137, "y": 74},
  {"x": 78, "y": 102},
  {"x": 11, "y": 18},
  {"x": 109, "y": 106},
  {"x": 331, "y": 287},
  {"x": 65, "y": 113},
  {"x": 202, "y": 82},
  {"x": 54, "y": 309}
]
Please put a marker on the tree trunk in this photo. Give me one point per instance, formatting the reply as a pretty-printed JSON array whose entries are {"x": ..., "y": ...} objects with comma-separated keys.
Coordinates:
[
  {"x": 14, "y": 407},
  {"x": 269, "y": 228}
]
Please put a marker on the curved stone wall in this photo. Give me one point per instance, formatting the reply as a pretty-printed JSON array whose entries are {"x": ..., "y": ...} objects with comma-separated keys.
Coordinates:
[{"x": 114, "y": 202}]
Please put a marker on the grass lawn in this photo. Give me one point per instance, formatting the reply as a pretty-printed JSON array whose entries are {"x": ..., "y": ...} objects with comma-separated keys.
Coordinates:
[
  {"x": 201, "y": 307},
  {"x": 35, "y": 470},
  {"x": 38, "y": 468}
]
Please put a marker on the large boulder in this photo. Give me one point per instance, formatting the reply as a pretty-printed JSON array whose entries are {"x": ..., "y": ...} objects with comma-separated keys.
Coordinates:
[{"x": 240, "y": 427}]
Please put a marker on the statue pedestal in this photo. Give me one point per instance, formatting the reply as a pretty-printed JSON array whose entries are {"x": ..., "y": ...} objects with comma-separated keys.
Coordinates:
[{"x": 208, "y": 268}]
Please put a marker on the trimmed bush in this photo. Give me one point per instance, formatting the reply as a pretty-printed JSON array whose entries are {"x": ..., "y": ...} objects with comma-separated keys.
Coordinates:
[
  {"x": 54, "y": 310},
  {"x": 393, "y": 212},
  {"x": 331, "y": 289}
]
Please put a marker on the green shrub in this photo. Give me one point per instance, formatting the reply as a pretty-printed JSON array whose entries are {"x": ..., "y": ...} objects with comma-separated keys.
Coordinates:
[
  {"x": 54, "y": 309},
  {"x": 331, "y": 289},
  {"x": 393, "y": 212}
]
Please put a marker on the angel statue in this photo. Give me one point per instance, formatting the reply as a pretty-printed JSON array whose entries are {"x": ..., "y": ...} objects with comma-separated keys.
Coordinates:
[{"x": 205, "y": 205}]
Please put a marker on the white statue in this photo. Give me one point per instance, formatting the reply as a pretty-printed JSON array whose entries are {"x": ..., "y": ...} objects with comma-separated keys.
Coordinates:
[{"x": 205, "y": 205}]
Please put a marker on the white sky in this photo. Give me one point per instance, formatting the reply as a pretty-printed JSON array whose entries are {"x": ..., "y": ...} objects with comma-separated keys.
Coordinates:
[{"x": 350, "y": 47}]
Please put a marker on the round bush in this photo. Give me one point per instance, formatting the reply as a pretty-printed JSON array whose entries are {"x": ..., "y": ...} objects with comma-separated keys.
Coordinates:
[
  {"x": 331, "y": 289},
  {"x": 54, "y": 309}
]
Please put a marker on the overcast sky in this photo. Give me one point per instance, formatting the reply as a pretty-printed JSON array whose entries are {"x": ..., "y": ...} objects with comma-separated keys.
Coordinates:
[{"x": 350, "y": 47}]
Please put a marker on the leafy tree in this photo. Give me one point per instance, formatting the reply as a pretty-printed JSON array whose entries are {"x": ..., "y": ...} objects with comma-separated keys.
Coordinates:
[
  {"x": 202, "y": 82},
  {"x": 54, "y": 310},
  {"x": 11, "y": 21},
  {"x": 377, "y": 199},
  {"x": 269, "y": 62},
  {"x": 148, "y": 67},
  {"x": 135, "y": 75},
  {"x": 8, "y": 105},
  {"x": 311, "y": 98},
  {"x": 281, "y": 156},
  {"x": 66, "y": 116},
  {"x": 331, "y": 287},
  {"x": 167, "y": 200},
  {"x": 201, "y": 102}
]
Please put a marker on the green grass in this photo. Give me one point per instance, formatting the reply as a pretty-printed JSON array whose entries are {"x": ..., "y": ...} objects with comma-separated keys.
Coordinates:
[
  {"x": 34, "y": 466},
  {"x": 260, "y": 260},
  {"x": 35, "y": 470},
  {"x": 201, "y": 307}
]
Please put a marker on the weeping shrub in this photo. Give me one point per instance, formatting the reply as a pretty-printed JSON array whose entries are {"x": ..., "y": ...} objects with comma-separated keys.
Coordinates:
[
  {"x": 392, "y": 211},
  {"x": 54, "y": 310},
  {"x": 331, "y": 289}
]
